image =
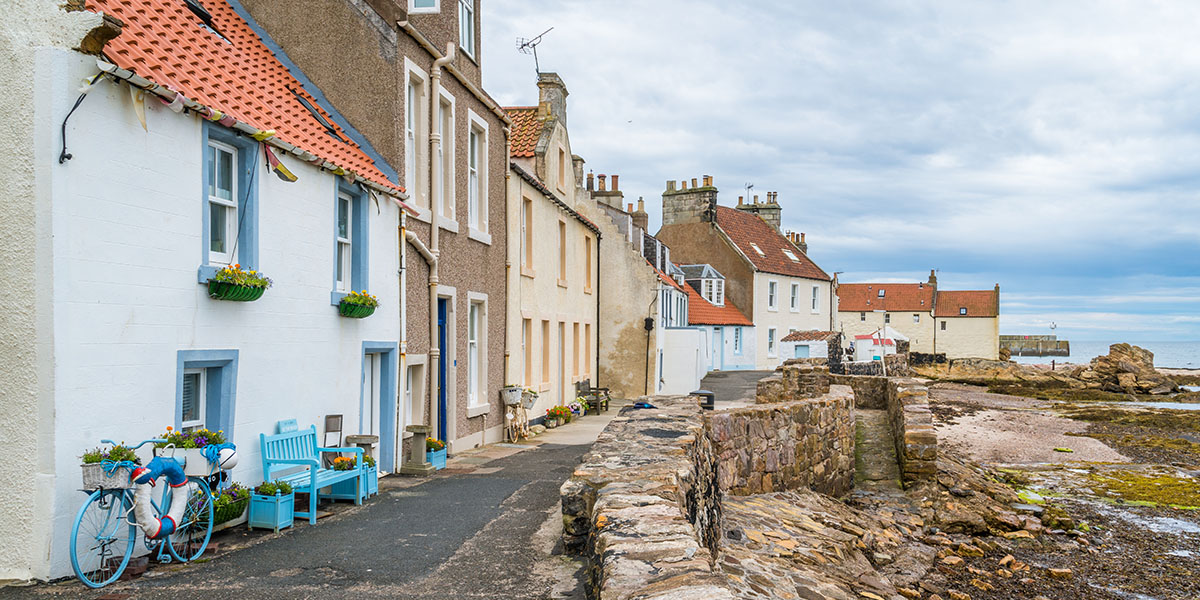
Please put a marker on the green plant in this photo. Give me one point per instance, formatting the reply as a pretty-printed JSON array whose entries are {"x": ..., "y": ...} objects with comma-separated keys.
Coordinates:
[
  {"x": 268, "y": 488},
  {"x": 230, "y": 502},
  {"x": 361, "y": 299},
  {"x": 117, "y": 453},
  {"x": 344, "y": 463},
  {"x": 434, "y": 444},
  {"x": 196, "y": 438},
  {"x": 558, "y": 412},
  {"x": 235, "y": 275},
  {"x": 369, "y": 460}
]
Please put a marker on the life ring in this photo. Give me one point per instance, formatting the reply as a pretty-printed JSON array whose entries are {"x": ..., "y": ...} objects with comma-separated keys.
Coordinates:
[{"x": 156, "y": 528}]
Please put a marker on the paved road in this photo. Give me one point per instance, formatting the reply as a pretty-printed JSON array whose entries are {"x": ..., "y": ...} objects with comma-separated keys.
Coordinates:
[
  {"x": 490, "y": 533},
  {"x": 733, "y": 387}
]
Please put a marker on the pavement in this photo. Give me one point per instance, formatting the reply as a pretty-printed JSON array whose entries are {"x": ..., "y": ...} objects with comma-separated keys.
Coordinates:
[
  {"x": 733, "y": 389},
  {"x": 487, "y": 526}
]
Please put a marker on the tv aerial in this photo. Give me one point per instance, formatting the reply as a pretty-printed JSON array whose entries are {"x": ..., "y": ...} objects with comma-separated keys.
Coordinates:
[{"x": 529, "y": 46}]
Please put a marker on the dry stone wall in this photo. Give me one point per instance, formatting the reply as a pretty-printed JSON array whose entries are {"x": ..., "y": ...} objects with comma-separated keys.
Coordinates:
[
  {"x": 869, "y": 391},
  {"x": 912, "y": 428},
  {"x": 793, "y": 381}
]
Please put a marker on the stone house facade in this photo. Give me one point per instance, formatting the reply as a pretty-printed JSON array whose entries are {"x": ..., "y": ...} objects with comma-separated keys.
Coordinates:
[
  {"x": 408, "y": 75},
  {"x": 766, "y": 272}
]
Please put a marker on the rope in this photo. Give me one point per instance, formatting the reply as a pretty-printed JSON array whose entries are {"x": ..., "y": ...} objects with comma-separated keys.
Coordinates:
[
  {"x": 213, "y": 451},
  {"x": 111, "y": 466}
]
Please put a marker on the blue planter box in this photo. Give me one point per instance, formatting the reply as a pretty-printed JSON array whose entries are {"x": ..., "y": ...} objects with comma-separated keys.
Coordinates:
[
  {"x": 372, "y": 481},
  {"x": 272, "y": 512},
  {"x": 437, "y": 459},
  {"x": 348, "y": 490}
]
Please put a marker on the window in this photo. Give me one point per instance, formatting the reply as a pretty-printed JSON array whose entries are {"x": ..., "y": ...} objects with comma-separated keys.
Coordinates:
[
  {"x": 206, "y": 390},
  {"x": 476, "y": 376},
  {"x": 795, "y": 297},
  {"x": 790, "y": 255},
  {"x": 713, "y": 290},
  {"x": 562, "y": 169},
  {"x": 562, "y": 253},
  {"x": 737, "y": 340},
  {"x": 816, "y": 299},
  {"x": 416, "y": 138},
  {"x": 192, "y": 400},
  {"x": 422, "y": 6},
  {"x": 962, "y": 310},
  {"x": 350, "y": 242},
  {"x": 527, "y": 350},
  {"x": 880, "y": 292},
  {"x": 771, "y": 342},
  {"x": 757, "y": 249},
  {"x": 887, "y": 317},
  {"x": 527, "y": 236},
  {"x": 587, "y": 255},
  {"x": 916, "y": 317},
  {"x": 444, "y": 194},
  {"x": 477, "y": 178},
  {"x": 575, "y": 354},
  {"x": 587, "y": 350},
  {"x": 343, "y": 259},
  {"x": 222, "y": 202},
  {"x": 545, "y": 353},
  {"x": 943, "y": 325},
  {"x": 466, "y": 26},
  {"x": 772, "y": 287},
  {"x": 862, "y": 316}
]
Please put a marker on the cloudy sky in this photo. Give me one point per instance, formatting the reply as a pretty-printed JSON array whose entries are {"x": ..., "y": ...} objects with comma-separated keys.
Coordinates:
[{"x": 1053, "y": 148}]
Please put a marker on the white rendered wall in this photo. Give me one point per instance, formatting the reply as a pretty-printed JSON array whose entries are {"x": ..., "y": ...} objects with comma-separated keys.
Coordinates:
[
  {"x": 684, "y": 360},
  {"x": 920, "y": 335},
  {"x": 127, "y": 226},
  {"x": 969, "y": 337},
  {"x": 784, "y": 319},
  {"x": 816, "y": 349},
  {"x": 733, "y": 361}
]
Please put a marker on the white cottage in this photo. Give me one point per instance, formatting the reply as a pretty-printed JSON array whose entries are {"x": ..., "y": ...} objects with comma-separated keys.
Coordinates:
[{"x": 114, "y": 225}]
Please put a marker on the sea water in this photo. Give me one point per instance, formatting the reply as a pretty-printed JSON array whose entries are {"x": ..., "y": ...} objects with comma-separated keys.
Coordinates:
[{"x": 1170, "y": 355}]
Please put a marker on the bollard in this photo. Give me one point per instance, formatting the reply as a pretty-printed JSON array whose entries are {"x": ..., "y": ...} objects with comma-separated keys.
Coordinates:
[{"x": 708, "y": 400}]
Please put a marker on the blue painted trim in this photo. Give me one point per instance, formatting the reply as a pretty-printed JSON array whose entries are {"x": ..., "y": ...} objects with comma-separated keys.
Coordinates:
[
  {"x": 247, "y": 245},
  {"x": 220, "y": 394},
  {"x": 348, "y": 129},
  {"x": 388, "y": 377},
  {"x": 360, "y": 240}
]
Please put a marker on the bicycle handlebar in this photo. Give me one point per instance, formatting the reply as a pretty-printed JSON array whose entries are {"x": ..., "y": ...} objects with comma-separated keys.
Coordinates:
[{"x": 144, "y": 442}]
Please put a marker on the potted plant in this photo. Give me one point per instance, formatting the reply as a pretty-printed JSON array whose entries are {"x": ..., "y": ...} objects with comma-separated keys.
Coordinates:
[
  {"x": 236, "y": 284},
  {"x": 577, "y": 407},
  {"x": 435, "y": 452},
  {"x": 272, "y": 506},
  {"x": 511, "y": 394},
  {"x": 230, "y": 503},
  {"x": 349, "y": 489},
  {"x": 558, "y": 414},
  {"x": 110, "y": 468},
  {"x": 529, "y": 397},
  {"x": 357, "y": 305},
  {"x": 192, "y": 449},
  {"x": 372, "y": 475}
]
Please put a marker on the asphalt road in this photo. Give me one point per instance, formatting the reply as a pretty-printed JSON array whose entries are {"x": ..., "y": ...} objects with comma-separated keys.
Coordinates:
[{"x": 491, "y": 533}]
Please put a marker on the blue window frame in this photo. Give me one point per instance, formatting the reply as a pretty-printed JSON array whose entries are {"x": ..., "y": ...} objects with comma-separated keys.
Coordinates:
[
  {"x": 350, "y": 241},
  {"x": 240, "y": 233},
  {"x": 219, "y": 369}
]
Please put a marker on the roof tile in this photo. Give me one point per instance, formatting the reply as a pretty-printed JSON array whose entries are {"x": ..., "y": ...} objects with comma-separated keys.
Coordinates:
[
  {"x": 747, "y": 230},
  {"x": 808, "y": 336},
  {"x": 864, "y": 297},
  {"x": 979, "y": 303},
  {"x": 525, "y": 131},
  {"x": 703, "y": 312}
]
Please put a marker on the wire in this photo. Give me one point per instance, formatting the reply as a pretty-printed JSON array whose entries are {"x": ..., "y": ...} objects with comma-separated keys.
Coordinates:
[
  {"x": 64, "y": 156},
  {"x": 245, "y": 205}
]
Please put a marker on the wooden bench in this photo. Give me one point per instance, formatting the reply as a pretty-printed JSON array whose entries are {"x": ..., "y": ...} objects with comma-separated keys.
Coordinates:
[
  {"x": 294, "y": 457},
  {"x": 596, "y": 398}
]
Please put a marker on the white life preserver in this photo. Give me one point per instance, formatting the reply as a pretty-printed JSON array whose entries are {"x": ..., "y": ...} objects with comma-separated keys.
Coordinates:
[{"x": 153, "y": 527}]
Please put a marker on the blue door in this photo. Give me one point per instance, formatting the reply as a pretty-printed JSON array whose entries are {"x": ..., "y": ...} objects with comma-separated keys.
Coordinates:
[{"x": 441, "y": 403}]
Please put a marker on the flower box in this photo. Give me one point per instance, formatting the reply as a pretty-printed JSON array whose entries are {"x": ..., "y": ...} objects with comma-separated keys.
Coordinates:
[
  {"x": 348, "y": 489},
  {"x": 528, "y": 399},
  {"x": 223, "y": 290},
  {"x": 94, "y": 477},
  {"x": 511, "y": 395},
  {"x": 230, "y": 512},
  {"x": 372, "y": 481},
  {"x": 437, "y": 458},
  {"x": 355, "y": 311},
  {"x": 272, "y": 512},
  {"x": 193, "y": 461}
]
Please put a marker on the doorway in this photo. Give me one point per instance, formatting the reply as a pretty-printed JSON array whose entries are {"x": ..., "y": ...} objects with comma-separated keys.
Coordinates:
[
  {"x": 718, "y": 349},
  {"x": 377, "y": 401},
  {"x": 445, "y": 355}
]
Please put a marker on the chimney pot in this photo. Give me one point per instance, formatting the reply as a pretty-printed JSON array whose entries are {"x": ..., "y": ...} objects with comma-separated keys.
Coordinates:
[
  {"x": 708, "y": 180},
  {"x": 683, "y": 184},
  {"x": 602, "y": 179},
  {"x": 801, "y": 237},
  {"x": 756, "y": 198},
  {"x": 630, "y": 207},
  {"x": 694, "y": 186},
  {"x": 615, "y": 179},
  {"x": 591, "y": 181},
  {"x": 670, "y": 185},
  {"x": 741, "y": 200},
  {"x": 641, "y": 204}
]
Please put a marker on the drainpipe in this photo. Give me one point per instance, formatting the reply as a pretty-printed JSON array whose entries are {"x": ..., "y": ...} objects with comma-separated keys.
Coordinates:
[
  {"x": 431, "y": 260},
  {"x": 598, "y": 292},
  {"x": 432, "y": 253},
  {"x": 402, "y": 377}
]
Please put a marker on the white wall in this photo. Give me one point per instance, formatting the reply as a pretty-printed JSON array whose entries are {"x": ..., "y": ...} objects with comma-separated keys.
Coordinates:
[
  {"x": 783, "y": 318},
  {"x": 816, "y": 349},
  {"x": 733, "y": 361},
  {"x": 127, "y": 215},
  {"x": 969, "y": 337},
  {"x": 920, "y": 335},
  {"x": 684, "y": 360}
]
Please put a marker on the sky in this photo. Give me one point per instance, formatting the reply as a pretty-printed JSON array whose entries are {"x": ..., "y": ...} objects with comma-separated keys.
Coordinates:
[{"x": 1053, "y": 148}]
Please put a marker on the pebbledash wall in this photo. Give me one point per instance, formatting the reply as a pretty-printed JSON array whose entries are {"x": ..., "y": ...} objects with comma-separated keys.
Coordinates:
[{"x": 122, "y": 245}]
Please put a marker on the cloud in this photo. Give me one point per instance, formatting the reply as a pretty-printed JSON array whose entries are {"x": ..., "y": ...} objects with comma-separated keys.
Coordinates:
[{"x": 1047, "y": 147}]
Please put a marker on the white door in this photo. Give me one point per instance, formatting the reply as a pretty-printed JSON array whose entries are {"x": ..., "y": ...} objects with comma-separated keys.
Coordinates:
[{"x": 369, "y": 424}]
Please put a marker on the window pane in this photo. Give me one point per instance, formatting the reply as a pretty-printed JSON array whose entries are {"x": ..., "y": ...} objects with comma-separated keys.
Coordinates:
[
  {"x": 474, "y": 146},
  {"x": 425, "y": 3},
  {"x": 343, "y": 218},
  {"x": 191, "y": 391},
  {"x": 217, "y": 227},
  {"x": 212, "y": 171},
  {"x": 224, "y": 175},
  {"x": 341, "y": 261},
  {"x": 473, "y": 323}
]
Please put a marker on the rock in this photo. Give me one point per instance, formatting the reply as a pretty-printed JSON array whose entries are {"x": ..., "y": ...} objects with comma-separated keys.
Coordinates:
[
  {"x": 909, "y": 593},
  {"x": 1127, "y": 368},
  {"x": 952, "y": 561},
  {"x": 983, "y": 585},
  {"x": 955, "y": 595},
  {"x": 537, "y": 429},
  {"x": 960, "y": 492},
  {"x": 1018, "y": 535},
  {"x": 968, "y": 550},
  {"x": 1060, "y": 573},
  {"x": 1029, "y": 508},
  {"x": 1007, "y": 560}
]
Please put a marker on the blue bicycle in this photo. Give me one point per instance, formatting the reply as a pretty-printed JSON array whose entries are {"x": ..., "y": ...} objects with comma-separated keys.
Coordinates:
[{"x": 106, "y": 530}]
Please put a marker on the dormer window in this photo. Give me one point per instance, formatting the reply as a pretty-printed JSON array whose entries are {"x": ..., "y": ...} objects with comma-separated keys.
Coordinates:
[
  {"x": 962, "y": 310},
  {"x": 757, "y": 249},
  {"x": 714, "y": 291},
  {"x": 880, "y": 292},
  {"x": 788, "y": 253}
]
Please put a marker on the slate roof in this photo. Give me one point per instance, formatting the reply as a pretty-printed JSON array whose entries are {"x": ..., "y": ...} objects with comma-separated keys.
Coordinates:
[
  {"x": 864, "y": 297},
  {"x": 808, "y": 336},
  {"x": 703, "y": 312},
  {"x": 744, "y": 229},
  {"x": 167, "y": 44},
  {"x": 525, "y": 131},
  {"x": 979, "y": 303}
]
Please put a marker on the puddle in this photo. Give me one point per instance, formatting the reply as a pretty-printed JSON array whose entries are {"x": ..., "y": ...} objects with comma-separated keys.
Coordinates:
[
  {"x": 1182, "y": 553},
  {"x": 1159, "y": 524},
  {"x": 1167, "y": 405},
  {"x": 1190, "y": 388}
]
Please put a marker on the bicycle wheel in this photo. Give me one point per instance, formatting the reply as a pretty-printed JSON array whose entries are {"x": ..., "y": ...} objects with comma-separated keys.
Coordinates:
[
  {"x": 102, "y": 539},
  {"x": 191, "y": 536}
]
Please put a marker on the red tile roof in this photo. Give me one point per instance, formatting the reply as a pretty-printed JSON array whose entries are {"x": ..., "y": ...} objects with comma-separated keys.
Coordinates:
[
  {"x": 808, "y": 336},
  {"x": 667, "y": 279},
  {"x": 864, "y": 297},
  {"x": 165, "y": 42},
  {"x": 979, "y": 303},
  {"x": 744, "y": 229},
  {"x": 525, "y": 131},
  {"x": 703, "y": 312}
]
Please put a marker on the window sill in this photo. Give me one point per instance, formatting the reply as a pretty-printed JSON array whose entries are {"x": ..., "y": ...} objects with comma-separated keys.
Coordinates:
[
  {"x": 480, "y": 236},
  {"x": 528, "y": 272},
  {"x": 545, "y": 387},
  {"x": 587, "y": 290},
  {"x": 423, "y": 214},
  {"x": 772, "y": 309},
  {"x": 206, "y": 272},
  {"x": 335, "y": 297},
  {"x": 447, "y": 224},
  {"x": 477, "y": 411},
  {"x": 562, "y": 283}
]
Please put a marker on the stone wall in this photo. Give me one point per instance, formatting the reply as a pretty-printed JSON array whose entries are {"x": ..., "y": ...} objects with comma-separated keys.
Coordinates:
[
  {"x": 807, "y": 443},
  {"x": 869, "y": 391},
  {"x": 792, "y": 381},
  {"x": 912, "y": 428}
]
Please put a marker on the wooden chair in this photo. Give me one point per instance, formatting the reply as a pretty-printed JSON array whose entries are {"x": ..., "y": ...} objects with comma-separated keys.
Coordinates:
[{"x": 595, "y": 398}]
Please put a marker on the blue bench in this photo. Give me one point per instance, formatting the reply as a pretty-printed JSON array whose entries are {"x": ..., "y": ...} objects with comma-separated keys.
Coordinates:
[{"x": 283, "y": 455}]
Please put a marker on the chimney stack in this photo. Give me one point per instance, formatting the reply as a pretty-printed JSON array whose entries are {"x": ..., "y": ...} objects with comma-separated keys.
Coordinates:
[
  {"x": 802, "y": 245},
  {"x": 591, "y": 181},
  {"x": 615, "y": 179},
  {"x": 602, "y": 179},
  {"x": 932, "y": 278},
  {"x": 756, "y": 198},
  {"x": 552, "y": 93},
  {"x": 684, "y": 205},
  {"x": 640, "y": 217}
]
